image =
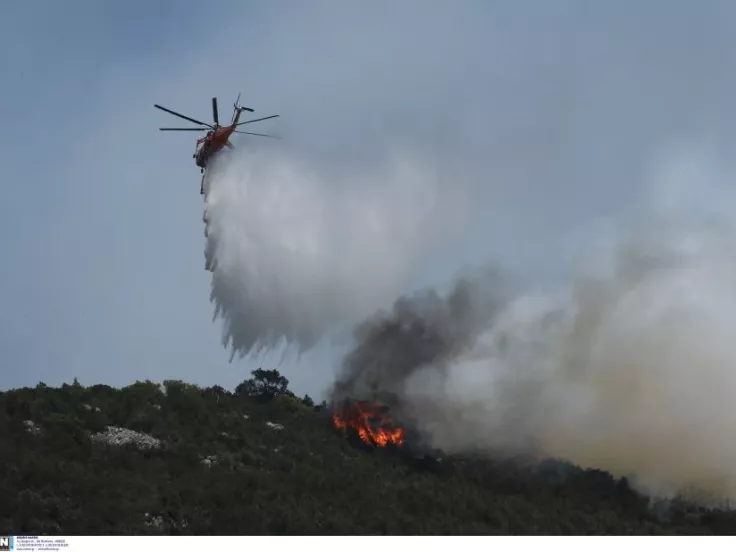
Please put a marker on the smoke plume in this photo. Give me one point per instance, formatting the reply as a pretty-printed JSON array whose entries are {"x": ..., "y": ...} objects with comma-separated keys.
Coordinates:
[
  {"x": 297, "y": 249},
  {"x": 629, "y": 369}
]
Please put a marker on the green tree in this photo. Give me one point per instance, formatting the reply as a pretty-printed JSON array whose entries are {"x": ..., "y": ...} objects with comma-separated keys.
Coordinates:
[{"x": 265, "y": 384}]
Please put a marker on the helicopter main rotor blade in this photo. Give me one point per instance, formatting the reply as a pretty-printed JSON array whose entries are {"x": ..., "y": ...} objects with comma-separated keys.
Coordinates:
[
  {"x": 256, "y": 120},
  {"x": 197, "y": 129},
  {"x": 195, "y": 121},
  {"x": 256, "y": 134},
  {"x": 214, "y": 112}
]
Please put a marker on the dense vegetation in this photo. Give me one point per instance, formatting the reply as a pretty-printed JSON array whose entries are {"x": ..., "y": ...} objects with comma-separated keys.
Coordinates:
[{"x": 222, "y": 469}]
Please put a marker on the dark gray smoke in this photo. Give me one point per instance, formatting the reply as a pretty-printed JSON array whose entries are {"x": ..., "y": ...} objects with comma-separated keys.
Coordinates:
[{"x": 425, "y": 330}]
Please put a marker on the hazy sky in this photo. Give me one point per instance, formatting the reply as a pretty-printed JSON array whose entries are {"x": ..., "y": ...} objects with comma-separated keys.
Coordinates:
[{"x": 555, "y": 111}]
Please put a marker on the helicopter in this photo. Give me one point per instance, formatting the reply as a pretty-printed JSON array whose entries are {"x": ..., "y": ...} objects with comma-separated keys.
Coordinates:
[{"x": 217, "y": 136}]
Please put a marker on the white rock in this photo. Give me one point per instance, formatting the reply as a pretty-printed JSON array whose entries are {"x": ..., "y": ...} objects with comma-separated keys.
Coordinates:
[
  {"x": 272, "y": 425},
  {"x": 31, "y": 427},
  {"x": 210, "y": 460},
  {"x": 153, "y": 521},
  {"x": 119, "y": 436}
]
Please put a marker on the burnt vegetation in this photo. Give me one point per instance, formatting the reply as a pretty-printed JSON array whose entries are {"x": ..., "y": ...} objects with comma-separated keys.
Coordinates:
[{"x": 261, "y": 460}]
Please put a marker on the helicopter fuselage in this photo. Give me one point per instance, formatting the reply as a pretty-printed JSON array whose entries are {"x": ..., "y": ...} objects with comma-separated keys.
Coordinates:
[{"x": 210, "y": 144}]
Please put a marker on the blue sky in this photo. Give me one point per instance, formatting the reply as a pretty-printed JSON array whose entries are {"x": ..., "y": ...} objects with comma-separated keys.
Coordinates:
[{"x": 554, "y": 112}]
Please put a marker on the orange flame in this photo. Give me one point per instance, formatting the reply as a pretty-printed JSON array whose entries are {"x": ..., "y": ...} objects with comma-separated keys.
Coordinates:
[{"x": 370, "y": 421}]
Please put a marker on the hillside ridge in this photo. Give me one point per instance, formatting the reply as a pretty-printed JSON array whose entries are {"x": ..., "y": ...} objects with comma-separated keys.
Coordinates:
[{"x": 175, "y": 458}]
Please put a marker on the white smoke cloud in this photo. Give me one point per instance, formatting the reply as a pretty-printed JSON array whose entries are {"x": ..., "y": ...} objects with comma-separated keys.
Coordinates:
[
  {"x": 632, "y": 369},
  {"x": 297, "y": 250},
  {"x": 635, "y": 370}
]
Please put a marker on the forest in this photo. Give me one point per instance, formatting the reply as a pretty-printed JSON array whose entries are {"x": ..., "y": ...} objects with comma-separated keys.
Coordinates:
[{"x": 175, "y": 458}]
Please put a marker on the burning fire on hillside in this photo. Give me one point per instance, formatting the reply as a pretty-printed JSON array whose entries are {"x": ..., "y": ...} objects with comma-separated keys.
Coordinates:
[{"x": 370, "y": 421}]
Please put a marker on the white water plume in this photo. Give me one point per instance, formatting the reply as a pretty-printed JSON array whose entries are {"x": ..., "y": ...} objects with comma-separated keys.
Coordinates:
[{"x": 296, "y": 250}]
